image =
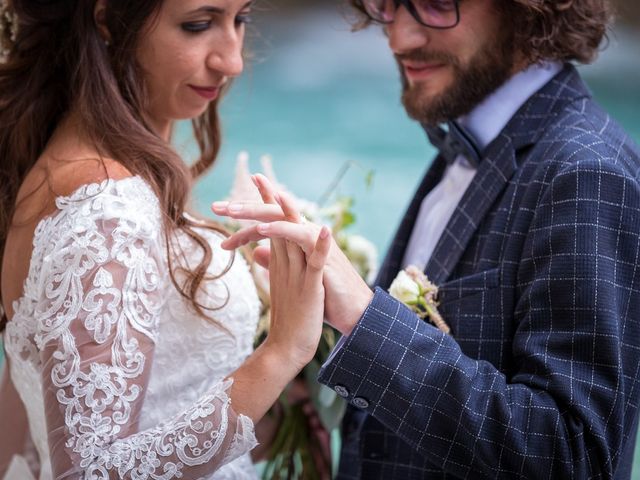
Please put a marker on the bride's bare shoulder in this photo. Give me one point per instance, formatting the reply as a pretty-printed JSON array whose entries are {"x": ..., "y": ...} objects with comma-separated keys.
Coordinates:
[
  {"x": 65, "y": 175},
  {"x": 57, "y": 174}
]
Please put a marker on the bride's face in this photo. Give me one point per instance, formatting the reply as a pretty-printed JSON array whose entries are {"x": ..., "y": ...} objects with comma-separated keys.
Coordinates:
[{"x": 190, "y": 51}]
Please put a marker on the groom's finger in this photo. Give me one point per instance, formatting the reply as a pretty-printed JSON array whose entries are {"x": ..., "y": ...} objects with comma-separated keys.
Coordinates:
[
  {"x": 302, "y": 235},
  {"x": 242, "y": 237},
  {"x": 249, "y": 211}
]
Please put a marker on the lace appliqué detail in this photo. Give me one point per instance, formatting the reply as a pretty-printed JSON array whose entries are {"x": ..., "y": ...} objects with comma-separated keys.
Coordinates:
[{"x": 96, "y": 325}]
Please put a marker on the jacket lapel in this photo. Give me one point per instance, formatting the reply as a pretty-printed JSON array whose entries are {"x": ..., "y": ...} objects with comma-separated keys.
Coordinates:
[
  {"x": 499, "y": 163},
  {"x": 494, "y": 172}
]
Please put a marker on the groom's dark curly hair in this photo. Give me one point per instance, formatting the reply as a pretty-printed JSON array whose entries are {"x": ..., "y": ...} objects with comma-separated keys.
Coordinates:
[{"x": 563, "y": 30}]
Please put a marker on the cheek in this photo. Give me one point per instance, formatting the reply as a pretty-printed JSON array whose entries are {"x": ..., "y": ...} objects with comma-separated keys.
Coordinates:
[
  {"x": 168, "y": 78},
  {"x": 166, "y": 63}
]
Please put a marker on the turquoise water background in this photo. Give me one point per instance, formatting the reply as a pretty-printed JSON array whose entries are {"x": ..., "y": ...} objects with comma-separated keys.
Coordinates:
[{"x": 316, "y": 96}]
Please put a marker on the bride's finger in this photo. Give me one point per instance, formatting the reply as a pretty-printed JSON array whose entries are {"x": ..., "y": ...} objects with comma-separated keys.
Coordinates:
[
  {"x": 262, "y": 256},
  {"x": 264, "y": 186},
  {"x": 288, "y": 207},
  {"x": 279, "y": 248},
  {"x": 296, "y": 257},
  {"x": 249, "y": 211},
  {"x": 319, "y": 255}
]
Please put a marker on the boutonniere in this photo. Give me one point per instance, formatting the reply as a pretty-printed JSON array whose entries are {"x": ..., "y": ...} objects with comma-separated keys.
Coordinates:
[{"x": 413, "y": 288}]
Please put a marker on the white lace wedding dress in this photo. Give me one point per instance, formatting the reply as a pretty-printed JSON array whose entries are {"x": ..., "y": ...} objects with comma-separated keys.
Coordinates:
[{"x": 119, "y": 376}]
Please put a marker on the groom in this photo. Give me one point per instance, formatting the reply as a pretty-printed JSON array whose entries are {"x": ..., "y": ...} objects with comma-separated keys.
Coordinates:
[{"x": 529, "y": 223}]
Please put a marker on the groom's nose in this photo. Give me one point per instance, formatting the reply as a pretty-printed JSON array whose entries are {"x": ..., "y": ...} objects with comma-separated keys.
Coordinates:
[{"x": 405, "y": 34}]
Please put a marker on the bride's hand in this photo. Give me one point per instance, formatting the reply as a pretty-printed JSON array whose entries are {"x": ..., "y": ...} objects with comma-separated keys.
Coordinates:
[
  {"x": 347, "y": 295},
  {"x": 297, "y": 294}
]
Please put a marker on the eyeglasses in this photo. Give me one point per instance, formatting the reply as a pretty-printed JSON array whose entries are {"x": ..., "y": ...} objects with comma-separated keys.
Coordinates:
[{"x": 440, "y": 14}]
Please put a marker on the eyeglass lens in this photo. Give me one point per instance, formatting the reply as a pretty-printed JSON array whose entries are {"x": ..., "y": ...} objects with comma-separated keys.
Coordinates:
[{"x": 432, "y": 13}]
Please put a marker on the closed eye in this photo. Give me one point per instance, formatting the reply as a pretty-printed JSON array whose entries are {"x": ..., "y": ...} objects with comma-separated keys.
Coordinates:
[{"x": 195, "y": 27}]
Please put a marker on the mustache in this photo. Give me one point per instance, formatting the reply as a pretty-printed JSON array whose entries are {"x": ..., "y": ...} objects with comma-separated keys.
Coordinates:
[{"x": 426, "y": 57}]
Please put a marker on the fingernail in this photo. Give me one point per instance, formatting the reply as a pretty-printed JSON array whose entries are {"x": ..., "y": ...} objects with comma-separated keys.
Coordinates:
[
  {"x": 263, "y": 228},
  {"x": 219, "y": 205},
  {"x": 236, "y": 207},
  {"x": 324, "y": 232}
]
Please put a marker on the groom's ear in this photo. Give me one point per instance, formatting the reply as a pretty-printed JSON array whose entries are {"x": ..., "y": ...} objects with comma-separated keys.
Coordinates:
[{"x": 100, "y": 18}]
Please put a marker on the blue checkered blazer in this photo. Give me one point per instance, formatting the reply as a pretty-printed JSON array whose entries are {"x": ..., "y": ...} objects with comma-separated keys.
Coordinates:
[{"x": 539, "y": 275}]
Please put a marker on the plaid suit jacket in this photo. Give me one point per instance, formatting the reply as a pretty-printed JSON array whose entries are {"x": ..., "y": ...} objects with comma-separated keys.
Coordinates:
[{"x": 539, "y": 275}]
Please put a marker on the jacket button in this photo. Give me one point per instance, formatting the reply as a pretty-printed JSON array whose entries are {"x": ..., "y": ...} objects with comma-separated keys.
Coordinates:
[
  {"x": 361, "y": 403},
  {"x": 341, "y": 390}
]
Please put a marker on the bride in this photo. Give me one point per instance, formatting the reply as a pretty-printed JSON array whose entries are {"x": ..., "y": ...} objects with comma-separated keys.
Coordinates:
[{"x": 128, "y": 330}]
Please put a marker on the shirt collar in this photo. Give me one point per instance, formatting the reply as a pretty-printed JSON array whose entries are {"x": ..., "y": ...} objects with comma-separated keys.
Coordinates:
[{"x": 503, "y": 104}]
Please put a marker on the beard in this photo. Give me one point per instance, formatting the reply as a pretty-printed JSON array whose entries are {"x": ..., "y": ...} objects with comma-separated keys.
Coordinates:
[{"x": 487, "y": 70}]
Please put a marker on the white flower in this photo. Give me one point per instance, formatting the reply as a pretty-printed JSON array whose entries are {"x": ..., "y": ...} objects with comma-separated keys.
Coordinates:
[
  {"x": 404, "y": 288},
  {"x": 413, "y": 288},
  {"x": 363, "y": 255}
]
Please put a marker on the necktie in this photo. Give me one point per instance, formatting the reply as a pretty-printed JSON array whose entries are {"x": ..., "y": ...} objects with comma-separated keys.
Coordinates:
[{"x": 454, "y": 141}]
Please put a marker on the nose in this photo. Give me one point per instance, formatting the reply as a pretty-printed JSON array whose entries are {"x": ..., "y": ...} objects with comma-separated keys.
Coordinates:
[
  {"x": 405, "y": 33},
  {"x": 226, "y": 55}
]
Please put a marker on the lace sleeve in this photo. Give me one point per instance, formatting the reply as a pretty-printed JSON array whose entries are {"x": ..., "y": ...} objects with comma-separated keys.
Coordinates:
[
  {"x": 97, "y": 321},
  {"x": 13, "y": 420}
]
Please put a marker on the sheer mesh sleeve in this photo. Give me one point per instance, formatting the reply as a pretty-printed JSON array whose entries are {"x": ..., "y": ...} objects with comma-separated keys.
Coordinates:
[
  {"x": 97, "y": 321},
  {"x": 13, "y": 418}
]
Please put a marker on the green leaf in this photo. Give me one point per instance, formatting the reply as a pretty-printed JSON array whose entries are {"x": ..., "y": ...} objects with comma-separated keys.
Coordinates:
[
  {"x": 348, "y": 219},
  {"x": 368, "y": 180}
]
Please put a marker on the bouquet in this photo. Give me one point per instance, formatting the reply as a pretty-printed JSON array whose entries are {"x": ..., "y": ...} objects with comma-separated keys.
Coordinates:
[{"x": 296, "y": 452}]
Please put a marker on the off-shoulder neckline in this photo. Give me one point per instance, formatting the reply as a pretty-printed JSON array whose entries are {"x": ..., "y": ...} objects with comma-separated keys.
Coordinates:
[{"x": 82, "y": 192}]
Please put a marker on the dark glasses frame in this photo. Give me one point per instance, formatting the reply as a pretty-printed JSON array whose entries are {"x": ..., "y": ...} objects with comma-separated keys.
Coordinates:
[{"x": 411, "y": 8}]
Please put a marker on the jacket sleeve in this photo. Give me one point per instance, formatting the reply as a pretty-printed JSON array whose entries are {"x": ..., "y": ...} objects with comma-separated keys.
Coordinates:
[{"x": 569, "y": 405}]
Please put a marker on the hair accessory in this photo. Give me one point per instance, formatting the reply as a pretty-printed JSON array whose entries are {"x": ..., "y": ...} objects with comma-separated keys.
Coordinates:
[{"x": 8, "y": 29}]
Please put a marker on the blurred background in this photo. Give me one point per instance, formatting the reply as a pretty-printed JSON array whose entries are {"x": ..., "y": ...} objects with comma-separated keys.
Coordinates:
[{"x": 316, "y": 97}]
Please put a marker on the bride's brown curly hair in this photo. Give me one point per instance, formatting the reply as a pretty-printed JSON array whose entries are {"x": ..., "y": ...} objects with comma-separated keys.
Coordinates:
[
  {"x": 58, "y": 61},
  {"x": 562, "y": 30}
]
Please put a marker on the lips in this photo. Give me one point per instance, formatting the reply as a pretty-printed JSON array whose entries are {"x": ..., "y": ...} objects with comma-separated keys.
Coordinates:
[
  {"x": 208, "y": 93},
  {"x": 420, "y": 71}
]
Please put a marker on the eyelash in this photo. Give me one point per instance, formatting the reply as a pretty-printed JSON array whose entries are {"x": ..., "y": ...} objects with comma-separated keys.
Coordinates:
[
  {"x": 244, "y": 18},
  {"x": 197, "y": 27}
]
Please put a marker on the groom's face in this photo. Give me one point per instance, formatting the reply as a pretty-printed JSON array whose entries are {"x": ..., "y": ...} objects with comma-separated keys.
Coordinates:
[{"x": 446, "y": 73}]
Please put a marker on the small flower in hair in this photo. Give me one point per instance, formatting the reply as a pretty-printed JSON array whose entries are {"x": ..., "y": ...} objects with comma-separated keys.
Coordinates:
[{"x": 8, "y": 29}]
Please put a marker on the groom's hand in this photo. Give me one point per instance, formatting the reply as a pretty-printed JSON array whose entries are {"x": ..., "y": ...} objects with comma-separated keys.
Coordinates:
[{"x": 346, "y": 294}]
